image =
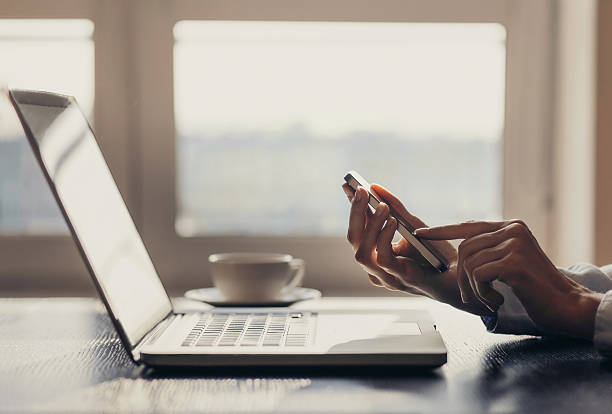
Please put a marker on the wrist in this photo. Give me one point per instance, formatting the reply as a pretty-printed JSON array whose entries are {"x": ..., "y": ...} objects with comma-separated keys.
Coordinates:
[{"x": 582, "y": 309}]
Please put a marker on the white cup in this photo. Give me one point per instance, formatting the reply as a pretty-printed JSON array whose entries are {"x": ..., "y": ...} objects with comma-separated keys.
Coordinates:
[{"x": 255, "y": 277}]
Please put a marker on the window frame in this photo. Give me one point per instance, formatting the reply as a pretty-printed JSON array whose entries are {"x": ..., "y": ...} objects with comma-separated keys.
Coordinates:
[
  {"x": 526, "y": 169},
  {"x": 135, "y": 125},
  {"x": 51, "y": 263}
]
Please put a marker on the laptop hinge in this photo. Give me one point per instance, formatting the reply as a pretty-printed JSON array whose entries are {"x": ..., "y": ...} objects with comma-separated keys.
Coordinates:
[{"x": 153, "y": 335}]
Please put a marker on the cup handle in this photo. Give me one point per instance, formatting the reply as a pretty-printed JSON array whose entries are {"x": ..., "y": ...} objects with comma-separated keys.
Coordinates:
[{"x": 298, "y": 267}]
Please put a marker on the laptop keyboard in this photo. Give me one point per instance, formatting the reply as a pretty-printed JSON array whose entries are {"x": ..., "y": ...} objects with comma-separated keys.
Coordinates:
[{"x": 252, "y": 329}]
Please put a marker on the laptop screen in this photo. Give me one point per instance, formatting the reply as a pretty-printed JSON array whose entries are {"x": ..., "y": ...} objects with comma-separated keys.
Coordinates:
[{"x": 95, "y": 211}]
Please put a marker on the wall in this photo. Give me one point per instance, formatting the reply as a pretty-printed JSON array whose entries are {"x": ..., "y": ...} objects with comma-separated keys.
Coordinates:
[
  {"x": 603, "y": 146},
  {"x": 574, "y": 133}
]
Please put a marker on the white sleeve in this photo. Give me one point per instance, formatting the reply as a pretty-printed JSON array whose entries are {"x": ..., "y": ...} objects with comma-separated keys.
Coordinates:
[
  {"x": 598, "y": 279},
  {"x": 603, "y": 326},
  {"x": 513, "y": 319},
  {"x": 511, "y": 316}
]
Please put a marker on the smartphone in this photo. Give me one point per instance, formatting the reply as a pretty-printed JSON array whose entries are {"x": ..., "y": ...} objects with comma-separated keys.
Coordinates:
[{"x": 424, "y": 247}]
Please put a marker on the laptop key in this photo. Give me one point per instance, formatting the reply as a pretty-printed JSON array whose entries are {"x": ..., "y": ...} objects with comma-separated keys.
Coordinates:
[{"x": 251, "y": 330}]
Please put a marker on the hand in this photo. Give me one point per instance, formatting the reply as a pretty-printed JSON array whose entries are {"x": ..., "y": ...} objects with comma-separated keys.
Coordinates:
[
  {"x": 507, "y": 251},
  {"x": 399, "y": 266}
]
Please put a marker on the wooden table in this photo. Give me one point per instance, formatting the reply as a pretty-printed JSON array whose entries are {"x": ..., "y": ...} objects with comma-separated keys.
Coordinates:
[{"x": 62, "y": 355}]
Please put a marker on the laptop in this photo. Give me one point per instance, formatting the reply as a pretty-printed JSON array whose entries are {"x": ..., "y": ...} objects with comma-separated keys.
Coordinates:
[{"x": 151, "y": 331}]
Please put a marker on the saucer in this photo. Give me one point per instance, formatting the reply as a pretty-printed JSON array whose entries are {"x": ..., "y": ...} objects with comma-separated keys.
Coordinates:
[{"x": 213, "y": 297}]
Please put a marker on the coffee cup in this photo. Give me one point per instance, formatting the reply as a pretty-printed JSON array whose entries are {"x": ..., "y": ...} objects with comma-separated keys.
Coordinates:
[{"x": 255, "y": 277}]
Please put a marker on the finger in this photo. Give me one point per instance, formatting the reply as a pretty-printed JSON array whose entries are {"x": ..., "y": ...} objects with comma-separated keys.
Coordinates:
[
  {"x": 476, "y": 294},
  {"x": 398, "y": 209},
  {"x": 465, "y": 287},
  {"x": 402, "y": 247},
  {"x": 473, "y": 245},
  {"x": 412, "y": 276},
  {"x": 385, "y": 256},
  {"x": 485, "y": 255},
  {"x": 396, "y": 206},
  {"x": 365, "y": 250},
  {"x": 468, "y": 258},
  {"x": 357, "y": 218},
  {"x": 381, "y": 278},
  {"x": 375, "y": 265},
  {"x": 350, "y": 193},
  {"x": 483, "y": 275},
  {"x": 459, "y": 231},
  {"x": 390, "y": 282},
  {"x": 374, "y": 280},
  {"x": 405, "y": 249},
  {"x": 406, "y": 270},
  {"x": 478, "y": 259}
]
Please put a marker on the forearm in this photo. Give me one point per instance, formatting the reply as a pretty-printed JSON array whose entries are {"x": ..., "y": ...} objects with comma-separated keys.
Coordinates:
[
  {"x": 584, "y": 300},
  {"x": 589, "y": 311},
  {"x": 579, "y": 319}
]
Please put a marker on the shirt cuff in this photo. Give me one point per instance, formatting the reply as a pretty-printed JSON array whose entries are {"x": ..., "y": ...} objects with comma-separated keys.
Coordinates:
[
  {"x": 511, "y": 317},
  {"x": 603, "y": 326},
  {"x": 490, "y": 322}
]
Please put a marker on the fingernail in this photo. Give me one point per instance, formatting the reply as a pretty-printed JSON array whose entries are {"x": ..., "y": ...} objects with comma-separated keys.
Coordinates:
[
  {"x": 393, "y": 222},
  {"x": 419, "y": 231}
]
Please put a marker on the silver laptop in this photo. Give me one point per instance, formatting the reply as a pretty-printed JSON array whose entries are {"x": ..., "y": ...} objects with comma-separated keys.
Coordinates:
[{"x": 138, "y": 305}]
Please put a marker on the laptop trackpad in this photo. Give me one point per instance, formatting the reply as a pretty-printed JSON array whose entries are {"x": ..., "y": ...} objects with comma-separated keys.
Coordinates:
[
  {"x": 402, "y": 328},
  {"x": 377, "y": 333},
  {"x": 334, "y": 329}
]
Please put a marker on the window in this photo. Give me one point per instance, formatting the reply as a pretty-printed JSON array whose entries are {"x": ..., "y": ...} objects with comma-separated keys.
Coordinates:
[
  {"x": 48, "y": 54},
  {"x": 270, "y": 115},
  {"x": 204, "y": 108}
]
